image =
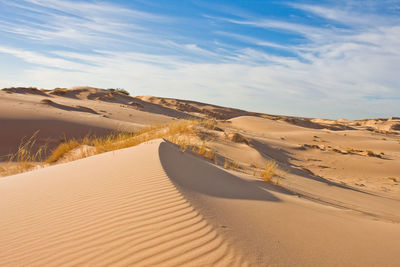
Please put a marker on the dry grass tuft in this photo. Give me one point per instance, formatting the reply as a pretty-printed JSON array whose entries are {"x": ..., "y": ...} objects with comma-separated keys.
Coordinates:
[
  {"x": 202, "y": 149},
  {"x": 61, "y": 150},
  {"x": 269, "y": 171},
  {"x": 25, "y": 148},
  {"x": 26, "y": 157},
  {"x": 227, "y": 164}
]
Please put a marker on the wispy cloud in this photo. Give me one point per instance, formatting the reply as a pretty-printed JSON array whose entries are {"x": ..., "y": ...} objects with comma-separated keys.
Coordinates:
[
  {"x": 77, "y": 22},
  {"x": 330, "y": 69}
]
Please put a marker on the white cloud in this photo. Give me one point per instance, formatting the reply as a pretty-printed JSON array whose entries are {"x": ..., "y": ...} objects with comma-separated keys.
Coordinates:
[
  {"x": 337, "y": 72},
  {"x": 39, "y": 59}
]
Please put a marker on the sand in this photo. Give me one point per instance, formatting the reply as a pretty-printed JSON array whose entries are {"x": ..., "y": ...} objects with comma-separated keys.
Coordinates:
[
  {"x": 127, "y": 212},
  {"x": 339, "y": 156},
  {"x": 75, "y": 114},
  {"x": 153, "y": 205},
  {"x": 337, "y": 201}
]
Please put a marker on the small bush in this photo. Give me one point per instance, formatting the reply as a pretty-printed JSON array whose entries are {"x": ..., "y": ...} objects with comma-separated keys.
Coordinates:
[
  {"x": 238, "y": 138},
  {"x": 119, "y": 90},
  {"x": 46, "y": 102},
  {"x": 372, "y": 154},
  {"x": 59, "y": 91}
]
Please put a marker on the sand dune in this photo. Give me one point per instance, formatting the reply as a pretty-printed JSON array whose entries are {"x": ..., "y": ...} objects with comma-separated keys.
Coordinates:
[
  {"x": 337, "y": 202},
  {"x": 274, "y": 227},
  {"x": 74, "y": 113},
  {"x": 153, "y": 205},
  {"x": 340, "y": 156},
  {"x": 127, "y": 212}
]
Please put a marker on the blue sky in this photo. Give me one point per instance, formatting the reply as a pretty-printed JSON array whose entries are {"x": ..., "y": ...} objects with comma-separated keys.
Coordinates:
[{"x": 328, "y": 59}]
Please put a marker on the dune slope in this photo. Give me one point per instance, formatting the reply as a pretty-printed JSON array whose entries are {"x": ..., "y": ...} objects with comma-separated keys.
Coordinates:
[
  {"x": 114, "y": 208},
  {"x": 272, "y": 226},
  {"x": 154, "y": 205}
]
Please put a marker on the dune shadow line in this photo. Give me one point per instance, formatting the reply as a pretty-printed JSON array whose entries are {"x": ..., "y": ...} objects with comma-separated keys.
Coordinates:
[
  {"x": 195, "y": 175},
  {"x": 68, "y": 108}
]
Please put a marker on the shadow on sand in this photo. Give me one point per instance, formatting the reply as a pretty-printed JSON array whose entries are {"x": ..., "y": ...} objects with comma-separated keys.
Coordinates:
[
  {"x": 282, "y": 156},
  {"x": 195, "y": 175},
  {"x": 67, "y": 108}
]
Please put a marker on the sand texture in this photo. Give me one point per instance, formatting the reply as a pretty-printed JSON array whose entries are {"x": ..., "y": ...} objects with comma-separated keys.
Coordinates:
[
  {"x": 333, "y": 200},
  {"x": 153, "y": 205}
]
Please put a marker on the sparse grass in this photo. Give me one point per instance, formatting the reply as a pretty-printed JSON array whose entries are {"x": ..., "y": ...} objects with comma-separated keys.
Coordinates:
[
  {"x": 269, "y": 171},
  {"x": 25, "y": 148},
  {"x": 182, "y": 133},
  {"x": 233, "y": 165},
  {"x": 179, "y": 133},
  {"x": 26, "y": 155}
]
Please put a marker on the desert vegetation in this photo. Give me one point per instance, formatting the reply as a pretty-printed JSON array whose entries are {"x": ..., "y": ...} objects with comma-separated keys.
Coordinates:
[
  {"x": 269, "y": 171},
  {"x": 181, "y": 133},
  {"x": 188, "y": 135},
  {"x": 373, "y": 154},
  {"x": 26, "y": 157},
  {"x": 119, "y": 90}
]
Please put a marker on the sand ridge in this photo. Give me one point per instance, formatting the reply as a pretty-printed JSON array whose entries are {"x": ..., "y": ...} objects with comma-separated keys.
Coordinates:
[{"x": 83, "y": 213}]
